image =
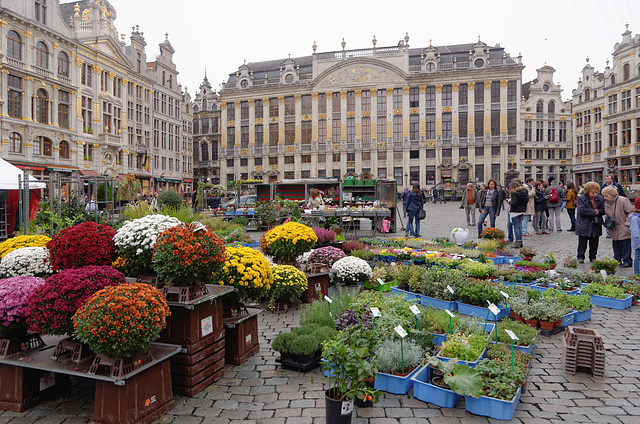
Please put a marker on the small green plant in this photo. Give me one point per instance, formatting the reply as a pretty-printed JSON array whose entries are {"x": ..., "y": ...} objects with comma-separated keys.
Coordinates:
[
  {"x": 607, "y": 264},
  {"x": 526, "y": 334},
  {"x": 303, "y": 341},
  {"x": 462, "y": 379},
  {"x": 464, "y": 347},
  {"x": 182, "y": 213},
  {"x": 365, "y": 254},
  {"x": 606, "y": 290},
  {"x": 528, "y": 251},
  {"x": 499, "y": 380},
  {"x": 478, "y": 292},
  {"x": 170, "y": 198},
  {"x": 580, "y": 302},
  {"x": 390, "y": 355},
  {"x": 570, "y": 262}
]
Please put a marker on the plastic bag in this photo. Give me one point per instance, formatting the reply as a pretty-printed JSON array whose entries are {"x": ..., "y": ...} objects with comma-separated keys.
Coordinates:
[{"x": 459, "y": 236}]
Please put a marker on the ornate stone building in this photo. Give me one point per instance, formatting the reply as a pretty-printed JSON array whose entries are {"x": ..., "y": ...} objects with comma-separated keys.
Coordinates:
[
  {"x": 80, "y": 99},
  {"x": 206, "y": 134},
  {"x": 546, "y": 128},
  {"x": 606, "y": 117},
  {"x": 427, "y": 115}
]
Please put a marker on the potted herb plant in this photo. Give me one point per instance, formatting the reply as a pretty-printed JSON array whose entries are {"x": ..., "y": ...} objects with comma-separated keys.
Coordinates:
[
  {"x": 397, "y": 362},
  {"x": 608, "y": 264},
  {"x": 475, "y": 295},
  {"x": 608, "y": 295},
  {"x": 469, "y": 348},
  {"x": 527, "y": 252},
  {"x": 432, "y": 287},
  {"x": 301, "y": 348}
]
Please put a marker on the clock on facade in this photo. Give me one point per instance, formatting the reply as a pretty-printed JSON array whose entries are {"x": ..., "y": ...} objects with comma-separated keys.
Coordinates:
[
  {"x": 244, "y": 83},
  {"x": 478, "y": 63}
]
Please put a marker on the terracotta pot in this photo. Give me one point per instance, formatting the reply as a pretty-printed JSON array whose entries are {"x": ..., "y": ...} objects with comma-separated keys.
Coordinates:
[
  {"x": 558, "y": 323},
  {"x": 531, "y": 322},
  {"x": 545, "y": 325},
  {"x": 519, "y": 319},
  {"x": 528, "y": 258}
]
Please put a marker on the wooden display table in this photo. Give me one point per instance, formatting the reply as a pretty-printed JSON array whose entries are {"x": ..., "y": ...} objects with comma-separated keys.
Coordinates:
[{"x": 138, "y": 397}]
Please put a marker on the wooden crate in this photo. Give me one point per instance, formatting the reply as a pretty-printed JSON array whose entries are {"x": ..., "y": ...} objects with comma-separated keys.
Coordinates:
[
  {"x": 317, "y": 288},
  {"x": 241, "y": 337},
  {"x": 20, "y": 388},
  {"x": 195, "y": 357}
]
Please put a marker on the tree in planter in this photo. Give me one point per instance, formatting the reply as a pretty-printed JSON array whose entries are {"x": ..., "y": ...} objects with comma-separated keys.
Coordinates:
[
  {"x": 390, "y": 355},
  {"x": 170, "y": 198}
]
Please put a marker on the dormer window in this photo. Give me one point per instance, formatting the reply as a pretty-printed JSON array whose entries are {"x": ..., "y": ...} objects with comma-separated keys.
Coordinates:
[
  {"x": 245, "y": 82},
  {"x": 41, "y": 11},
  {"x": 288, "y": 78},
  {"x": 431, "y": 67}
]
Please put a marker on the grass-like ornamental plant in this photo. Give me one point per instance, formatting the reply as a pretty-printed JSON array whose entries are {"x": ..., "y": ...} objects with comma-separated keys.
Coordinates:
[
  {"x": 119, "y": 321},
  {"x": 188, "y": 254},
  {"x": 81, "y": 245},
  {"x": 287, "y": 241},
  {"x": 19, "y": 242},
  {"x": 390, "y": 355},
  {"x": 50, "y": 307},
  {"x": 247, "y": 270}
]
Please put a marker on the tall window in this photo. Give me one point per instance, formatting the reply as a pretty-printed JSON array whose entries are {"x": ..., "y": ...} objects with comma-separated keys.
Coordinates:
[
  {"x": 382, "y": 102},
  {"x": 289, "y": 133},
  {"x": 63, "y": 109},
  {"x": 42, "y": 55},
  {"x": 495, "y": 122},
  {"x": 397, "y": 128},
  {"x": 46, "y": 145},
  {"x": 430, "y": 97},
  {"x": 306, "y": 105},
  {"x": 289, "y": 106},
  {"x": 306, "y": 132},
  {"x": 446, "y": 126},
  {"x": 41, "y": 11},
  {"x": 463, "y": 124},
  {"x": 528, "y": 131},
  {"x": 414, "y": 127},
  {"x": 231, "y": 138},
  {"x": 613, "y": 134},
  {"x": 463, "y": 94},
  {"x": 335, "y": 130},
  {"x": 551, "y": 131},
  {"x": 366, "y": 129},
  {"x": 64, "y": 149},
  {"x": 244, "y": 110},
  {"x": 625, "y": 100},
  {"x": 478, "y": 123},
  {"x": 495, "y": 92},
  {"x": 273, "y": 134},
  {"x": 447, "y": 95},
  {"x": 562, "y": 132},
  {"x": 231, "y": 111},
  {"x": 351, "y": 130},
  {"x": 539, "y": 106},
  {"x": 14, "y": 46},
  {"x": 626, "y": 74},
  {"x": 322, "y": 103},
  {"x": 244, "y": 137},
  {"x": 539, "y": 131},
  {"x": 14, "y": 101},
  {"x": 351, "y": 101},
  {"x": 551, "y": 107},
  {"x": 41, "y": 110},
  {"x": 625, "y": 132},
  {"x": 397, "y": 98},
  {"x": 273, "y": 108},
  {"x": 512, "y": 91},
  {"x": 613, "y": 104},
  {"x": 258, "y": 135},
  {"x": 15, "y": 143},
  {"x": 512, "y": 121},
  {"x": 366, "y": 100},
  {"x": 258, "y": 109},
  {"x": 430, "y": 126},
  {"x": 478, "y": 93}
]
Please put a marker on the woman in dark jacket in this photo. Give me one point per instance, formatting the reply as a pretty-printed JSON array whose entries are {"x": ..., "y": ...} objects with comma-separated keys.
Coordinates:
[
  {"x": 489, "y": 202},
  {"x": 590, "y": 209},
  {"x": 518, "y": 201},
  {"x": 415, "y": 202},
  {"x": 540, "y": 204}
]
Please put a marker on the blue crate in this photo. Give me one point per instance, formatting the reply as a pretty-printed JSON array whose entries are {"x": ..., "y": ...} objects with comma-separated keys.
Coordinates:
[
  {"x": 609, "y": 302},
  {"x": 580, "y": 316},
  {"x": 425, "y": 391},
  {"x": 407, "y": 295},
  {"x": 494, "y": 408},
  {"x": 394, "y": 384},
  {"x": 568, "y": 319},
  {"x": 438, "y": 303},
  {"x": 479, "y": 311},
  {"x": 470, "y": 364}
]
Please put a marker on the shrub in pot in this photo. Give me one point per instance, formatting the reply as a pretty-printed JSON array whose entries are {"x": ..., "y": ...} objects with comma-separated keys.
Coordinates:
[
  {"x": 83, "y": 244},
  {"x": 478, "y": 292},
  {"x": 303, "y": 341},
  {"x": 170, "y": 198},
  {"x": 390, "y": 355}
]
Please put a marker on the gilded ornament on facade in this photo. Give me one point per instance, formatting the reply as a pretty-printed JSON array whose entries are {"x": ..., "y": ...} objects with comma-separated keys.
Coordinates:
[
  {"x": 322, "y": 116},
  {"x": 455, "y": 86},
  {"x": 503, "y": 83},
  {"x": 438, "y": 88},
  {"x": 405, "y": 90},
  {"x": 244, "y": 151},
  {"x": 471, "y": 85},
  {"x": 306, "y": 117},
  {"x": 446, "y": 109},
  {"x": 314, "y": 96},
  {"x": 28, "y": 34},
  {"x": 397, "y": 111},
  {"x": 487, "y": 84},
  {"x": 358, "y": 93},
  {"x": 288, "y": 149},
  {"x": 366, "y": 113},
  {"x": 231, "y": 123},
  {"x": 258, "y": 121},
  {"x": 273, "y": 120},
  {"x": 351, "y": 114},
  {"x": 389, "y": 91},
  {"x": 414, "y": 111},
  {"x": 422, "y": 88}
]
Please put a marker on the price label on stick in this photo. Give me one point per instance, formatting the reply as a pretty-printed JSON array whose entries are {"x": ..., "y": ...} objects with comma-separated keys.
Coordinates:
[
  {"x": 504, "y": 294},
  {"x": 401, "y": 331},
  {"x": 450, "y": 313},
  {"x": 415, "y": 309},
  {"x": 380, "y": 281},
  {"x": 450, "y": 289},
  {"x": 376, "y": 312},
  {"x": 511, "y": 334},
  {"x": 493, "y": 308},
  {"x": 328, "y": 299},
  {"x": 604, "y": 274}
]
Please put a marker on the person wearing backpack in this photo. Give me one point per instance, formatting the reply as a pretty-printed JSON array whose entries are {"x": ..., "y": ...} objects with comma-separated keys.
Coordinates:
[{"x": 554, "y": 195}]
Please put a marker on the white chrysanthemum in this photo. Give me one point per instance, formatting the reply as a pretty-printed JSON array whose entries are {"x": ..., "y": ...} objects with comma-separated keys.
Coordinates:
[
  {"x": 304, "y": 258},
  {"x": 27, "y": 261},
  {"x": 352, "y": 269},
  {"x": 143, "y": 232}
]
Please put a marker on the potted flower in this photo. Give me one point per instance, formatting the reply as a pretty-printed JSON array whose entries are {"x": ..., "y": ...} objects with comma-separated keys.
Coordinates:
[
  {"x": 492, "y": 233},
  {"x": 27, "y": 261},
  {"x": 288, "y": 285},
  {"x": 325, "y": 237},
  {"x": 351, "y": 270},
  {"x": 188, "y": 255},
  {"x": 570, "y": 262},
  {"x": 14, "y": 293},
  {"x": 287, "y": 241},
  {"x": 608, "y": 264},
  {"x": 136, "y": 239},
  {"x": 83, "y": 244},
  {"x": 397, "y": 362},
  {"x": 119, "y": 321},
  {"x": 266, "y": 213},
  {"x": 326, "y": 255},
  {"x": 527, "y": 252},
  {"x": 349, "y": 365},
  {"x": 249, "y": 272},
  {"x": 550, "y": 260},
  {"x": 19, "y": 242}
]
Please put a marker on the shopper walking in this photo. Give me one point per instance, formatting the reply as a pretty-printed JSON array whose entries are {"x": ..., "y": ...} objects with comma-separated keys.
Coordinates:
[
  {"x": 570, "y": 198},
  {"x": 416, "y": 202},
  {"x": 554, "y": 195},
  {"x": 531, "y": 208},
  {"x": 589, "y": 212},
  {"x": 618, "y": 208},
  {"x": 469, "y": 200}
]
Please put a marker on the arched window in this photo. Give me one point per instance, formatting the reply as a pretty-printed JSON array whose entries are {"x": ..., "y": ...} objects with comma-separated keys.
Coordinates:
[
  {"x": 42, "y": 107},
  {"x": 539, "y": 106},
  {"x": 170, "y": 81},
  {"x": 64, "y": 149},
  {"x": 14, "y": 46},
  {"x": 626, "y": 74},
  {"x": 587, "y": 94},
  {"x": 46, "y": 146},
  {"x": 63, "y": 64},
  {"x": 551, "y": 107},
  {"x": 613, "y": 79},
  {"x": 42, "y": 55},
  {"x": 15, "y": 143}
]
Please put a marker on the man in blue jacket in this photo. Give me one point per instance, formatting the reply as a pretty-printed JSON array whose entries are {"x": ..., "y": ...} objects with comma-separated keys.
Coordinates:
[
  {"x": 609, "y": 180},
  {"x": 405, "y": 198}
]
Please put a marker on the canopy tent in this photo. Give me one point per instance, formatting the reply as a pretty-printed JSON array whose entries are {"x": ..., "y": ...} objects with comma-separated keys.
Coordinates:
[{"x": 9, "y": 177}]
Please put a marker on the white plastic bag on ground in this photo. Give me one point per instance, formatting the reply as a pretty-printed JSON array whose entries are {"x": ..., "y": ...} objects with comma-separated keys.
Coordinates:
[{"x": 459, "y": 236}]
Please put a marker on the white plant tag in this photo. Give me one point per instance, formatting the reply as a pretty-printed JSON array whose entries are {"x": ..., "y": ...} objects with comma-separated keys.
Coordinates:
[
  {"x": 450, "y": 289},
  {"x": 504, "y": 294},
  {"x": 401, "y": 331},
  {"x": 511, "y": 261},
  {"x": 604, "y": 274},
  {"x": 450, "y": 313},
  {"x": 328, "y": 299},
  {"x": 380, "y": 281},
  {"x": 376, "y": 312},
  {"x": 493, "y": 308},
  {"x": 511, "y": 334},
  {"x": 415, "y": 309},
  {"x": 347, "y": 408}
]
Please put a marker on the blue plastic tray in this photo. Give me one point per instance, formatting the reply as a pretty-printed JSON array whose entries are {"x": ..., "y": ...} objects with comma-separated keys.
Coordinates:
[
  {"x": 437, "y": 303},
  {"x": 491, "y": 407},
  {"x": 579, "y": 316},
  {"x": 425, "y": 391},
  {"x": 393, "y": 383},
  {"x": 479, "y": 311},
  {"x": 609, "y": 302},
  {"x": 407, "y": 295}
]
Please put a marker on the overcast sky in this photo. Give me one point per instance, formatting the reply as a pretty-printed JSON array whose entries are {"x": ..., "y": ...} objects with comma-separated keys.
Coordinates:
[{"x": 219, "y": 35}]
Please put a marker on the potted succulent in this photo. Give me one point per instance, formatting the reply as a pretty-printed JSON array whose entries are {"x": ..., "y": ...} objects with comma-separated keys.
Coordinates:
[
  {"x": 188, "y": 255},
  {"x": 397, "y": 363},
  {"x": 288, "y": 241},
  {"x": 13, "y": 243},
  {"x": 136, "y": 239},
  {"x": 14, "y": 293},
  {"x": 289, "y": 283},
  {"x": 119, "y": 321},
  {"x": 349, "y": 365},
  {"x": 26, "y": 261},
  {"x": 83, "y": 244},
  {"x": 527, "y": 252},
  {"x": 249, "y": 272}
]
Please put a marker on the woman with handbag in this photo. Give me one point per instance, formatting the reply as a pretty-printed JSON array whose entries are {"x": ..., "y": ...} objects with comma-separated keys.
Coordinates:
[
  {"x": 617, "y": 210},
  {"x": 415, "y": 204},
  {"x": 589, "y": 212}
]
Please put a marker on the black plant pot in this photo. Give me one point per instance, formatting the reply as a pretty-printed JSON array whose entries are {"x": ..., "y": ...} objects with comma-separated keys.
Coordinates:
[{"x": 337, "y": 411}]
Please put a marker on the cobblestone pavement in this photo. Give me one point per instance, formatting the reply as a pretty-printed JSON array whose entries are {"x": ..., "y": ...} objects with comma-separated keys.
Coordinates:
[{"x": 261, "y": 392}]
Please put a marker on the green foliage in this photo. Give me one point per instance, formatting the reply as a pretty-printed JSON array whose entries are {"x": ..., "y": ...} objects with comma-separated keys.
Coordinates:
[
  {"x": 266, "y": 212},
  {"x": 462, "y": 379},
  {"x": 499, "y": 380},
  {"x": 305, "y": 340},
  {"x": 107, "y": 193},
  {"x": 525, "y": 333},
  {"x": 138, "y": 210},
  {"x": 580, "y": 302},
  {"x": 240, "y": 220},
  {"x": 478, "y": 292},
  {"x": 365, "y": 254},
  {"x": 226, "y": 231},
  {"x": 434, "y": 281},
  {"x": 170, "y": 198},
  {"x": 395, "y": 311},
  {"x": 464, "y": 347},
  {"x": 182, "y": 213},
  {"x": 49, "y": 221},
  {"x": 390, "y": 355},
  {"x": 477, "y": 270},
  {"x": 608, "y": 264},
  {"x": 603, "y": 289},
  {"x": 437, "y": 321},
  {"x": 318, "y": 312}
]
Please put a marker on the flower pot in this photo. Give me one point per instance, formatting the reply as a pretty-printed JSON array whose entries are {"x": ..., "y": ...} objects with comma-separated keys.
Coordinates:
[
  {"x": 609, "y": 302},
  {"x": 13, "y": 332},
  {"x": 545, "y": 325},
  {"x": 337, "y": 411},
  {"x": 519, "y": 319},
  {"x": 556, "y": 324},
  {"x": 532, "y": 322},
  {"x": 528, "y": 258}
]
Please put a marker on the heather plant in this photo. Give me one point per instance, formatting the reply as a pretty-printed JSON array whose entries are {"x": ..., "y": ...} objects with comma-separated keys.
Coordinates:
[{"x": 326, "y": 255}]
